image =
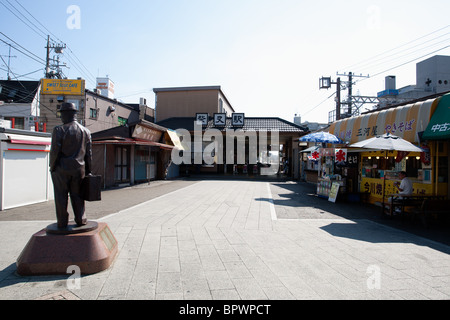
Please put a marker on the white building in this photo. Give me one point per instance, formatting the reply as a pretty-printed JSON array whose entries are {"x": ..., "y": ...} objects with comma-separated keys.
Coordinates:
[
  {"x": 19, "y": 103},
  {"x": 105, "y": 87},
  {"x": 432, "y": 77}
]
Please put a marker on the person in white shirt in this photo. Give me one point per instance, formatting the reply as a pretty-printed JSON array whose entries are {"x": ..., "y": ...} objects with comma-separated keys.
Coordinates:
[{"x": 405, "y": 187}]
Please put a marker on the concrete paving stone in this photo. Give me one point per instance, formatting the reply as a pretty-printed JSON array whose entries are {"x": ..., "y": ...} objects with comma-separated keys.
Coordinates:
[
  {"x": 166, "y": 251},
  {"x": 249, "y": 289},
  {"x": 192, "y": 270},
  {"x": 170, "y": 296},
  {"x": 212, "y": 263},
  {"x": 383, "y": 294},
  {"x": 186, "y": 245},
  {"x": 218, "y": 280},
  {"x": 266, "y": 278},
  {"x": 221, "y": 244},
  {"x": 90, "y": 288},
  {"x": 328, "y": 291},
  {"x": 115, "y": 287},
  {"x": 197, "y": 295},
  {"x": 168, "y": 264},
  {"x": 237, "y": 269},
  {"x": 195, "y": 284},
  {"x": 228, "y": 255},
  {"x": 225, "y": 294},
  {"x": 169, "y": 241},
  {"x": 205, "y": 250},
  {"x": 253, "y": 262},
  {"x": 410, "y": 295},
  {"x": 168, "y": 282},
  {"x": 443, "y": 287},
  {"x": 278, "y": 293},
  {"x": 184, "y": 233},
  {"x": 428, "y": 291},
  {"x": 141, "y": 291},
  {"x": 244, "y": 251},
  {"x": 189, "y": 256}
]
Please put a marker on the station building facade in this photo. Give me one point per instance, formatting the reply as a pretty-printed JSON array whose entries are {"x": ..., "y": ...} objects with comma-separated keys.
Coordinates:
[{"x": 200, "y": 110}]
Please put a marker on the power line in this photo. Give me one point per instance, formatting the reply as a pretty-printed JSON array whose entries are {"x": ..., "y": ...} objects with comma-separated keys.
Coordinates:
[
  {"x": 34, "y": 29},
  {"x": 23, "y": 52},
  {"x": 318, "y": 105},
  {"x": 48, "y": 31},
  {"x": 400, "y": 65},
  {"x": 84, "y": 71},
  {"x": 31, "y": 53},
  {"x": 417, "y": 48},
  {"x": 393, "y": 49}
]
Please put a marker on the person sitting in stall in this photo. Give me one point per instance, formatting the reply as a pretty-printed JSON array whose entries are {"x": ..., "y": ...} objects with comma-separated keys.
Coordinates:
[{"x": 405, "y": 187}]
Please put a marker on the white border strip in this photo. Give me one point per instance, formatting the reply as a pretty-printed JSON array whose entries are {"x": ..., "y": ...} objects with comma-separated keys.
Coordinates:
[{"x": 273, "y": 214}]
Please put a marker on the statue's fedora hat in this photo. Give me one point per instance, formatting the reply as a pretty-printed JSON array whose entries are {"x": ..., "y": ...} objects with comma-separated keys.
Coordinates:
[{"x": 68, "y": 107}]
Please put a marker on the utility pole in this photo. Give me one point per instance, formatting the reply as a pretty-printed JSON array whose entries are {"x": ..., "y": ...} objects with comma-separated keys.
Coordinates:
[
  {"x": 54, "y": 70},
  {"x": 47, "y": 64},
  {"x": 338, "y": 98},
  {"x": 357, "y": 101},
  {"x": 353, "y": 100}
]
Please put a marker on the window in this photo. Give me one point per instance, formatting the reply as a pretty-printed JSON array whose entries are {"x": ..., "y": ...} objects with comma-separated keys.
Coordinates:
[
  {"x": 75, "y": 102},
  {"x": 19, "y": 123},
  {"x": 93, "y": 113},
  {"x": 122, "y": 121}
]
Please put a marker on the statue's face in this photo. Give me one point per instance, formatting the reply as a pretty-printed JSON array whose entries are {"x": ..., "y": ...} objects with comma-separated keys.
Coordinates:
[{"x": 67, "y": 116}]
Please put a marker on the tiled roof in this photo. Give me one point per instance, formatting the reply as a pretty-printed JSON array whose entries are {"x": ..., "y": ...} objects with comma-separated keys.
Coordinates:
[
  {"x": 256, "y": 124},
  {"x": 18, "y": 91}
]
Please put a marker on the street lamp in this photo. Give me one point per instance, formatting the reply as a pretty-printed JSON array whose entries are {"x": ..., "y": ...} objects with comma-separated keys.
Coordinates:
[{"x": 325, "y": 83}]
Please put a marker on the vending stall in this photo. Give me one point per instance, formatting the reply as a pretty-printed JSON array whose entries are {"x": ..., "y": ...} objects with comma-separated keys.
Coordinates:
[
  {"x": 24, "y": 162},
  {"x": 378, "y": 169}
]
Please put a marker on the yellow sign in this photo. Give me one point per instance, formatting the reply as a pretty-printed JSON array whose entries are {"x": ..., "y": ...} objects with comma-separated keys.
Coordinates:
[
  {"x": 375, "y": 188},
  {"x": 63, "y": 87}
]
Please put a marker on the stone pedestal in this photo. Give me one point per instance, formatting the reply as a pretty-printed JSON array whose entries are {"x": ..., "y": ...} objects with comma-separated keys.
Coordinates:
[{"x": 51, "y": 251}]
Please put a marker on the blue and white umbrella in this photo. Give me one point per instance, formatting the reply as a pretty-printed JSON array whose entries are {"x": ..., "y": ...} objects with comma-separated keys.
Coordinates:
[{"x": 322, "y": 137}]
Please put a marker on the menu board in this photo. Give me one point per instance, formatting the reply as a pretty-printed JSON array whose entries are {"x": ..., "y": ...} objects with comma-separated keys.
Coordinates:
[{"x": 334, "y": 192}]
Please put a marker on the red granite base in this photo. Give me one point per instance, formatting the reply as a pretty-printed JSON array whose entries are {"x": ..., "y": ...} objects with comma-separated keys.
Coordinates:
[{"x": 52, "y": 254}]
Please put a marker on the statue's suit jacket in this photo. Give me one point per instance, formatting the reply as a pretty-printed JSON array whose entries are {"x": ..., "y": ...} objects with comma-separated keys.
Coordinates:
[{"x": 71, "y": 149}]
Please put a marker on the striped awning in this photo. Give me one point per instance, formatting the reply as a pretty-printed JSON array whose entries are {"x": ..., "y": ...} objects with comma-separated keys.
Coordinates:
[{"x": 405, "y": 122}]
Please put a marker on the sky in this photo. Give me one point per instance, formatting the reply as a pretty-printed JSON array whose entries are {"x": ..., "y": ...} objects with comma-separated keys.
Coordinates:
[{"x": 266, "y": 55}]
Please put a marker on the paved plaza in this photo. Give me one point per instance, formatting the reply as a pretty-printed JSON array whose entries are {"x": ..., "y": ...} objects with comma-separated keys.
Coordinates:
[{"x": 235, "y": 240}]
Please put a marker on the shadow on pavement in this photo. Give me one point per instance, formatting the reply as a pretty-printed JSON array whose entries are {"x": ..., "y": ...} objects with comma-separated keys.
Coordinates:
[{"x": 303, "y": 195}]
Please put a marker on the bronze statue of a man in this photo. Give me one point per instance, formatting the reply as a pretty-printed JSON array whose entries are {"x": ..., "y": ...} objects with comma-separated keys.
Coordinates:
[{"x": 70, "y": 162}]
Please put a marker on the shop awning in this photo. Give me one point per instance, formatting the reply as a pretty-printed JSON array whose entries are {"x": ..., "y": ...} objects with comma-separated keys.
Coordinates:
[
  {"x": 175, "y": 139},
  {"x": 311, "y": 149},
  {"x": 405, "y": 122},
  {"x": 29, "y": 140},
  {"x": 439, "y": 126}
]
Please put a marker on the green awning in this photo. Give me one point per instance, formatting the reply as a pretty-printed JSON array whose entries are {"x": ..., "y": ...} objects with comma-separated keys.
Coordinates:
[{"x": 439, "y": 126}]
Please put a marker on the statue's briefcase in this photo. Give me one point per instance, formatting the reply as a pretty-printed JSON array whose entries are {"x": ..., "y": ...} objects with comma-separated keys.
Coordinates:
[{"x": 91, "y": 188}]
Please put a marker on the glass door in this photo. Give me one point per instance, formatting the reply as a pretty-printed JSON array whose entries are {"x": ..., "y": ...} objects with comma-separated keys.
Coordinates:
[{"x": 122, "y": 165}]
